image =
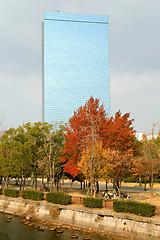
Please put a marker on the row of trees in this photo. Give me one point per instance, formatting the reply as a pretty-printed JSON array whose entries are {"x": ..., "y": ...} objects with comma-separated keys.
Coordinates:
[
  {"x": 149, "y": 161},
  {"x": 102, "y": 147},
  {"x": 91, "y": 146},
  {"x": 32, "y": 149}
]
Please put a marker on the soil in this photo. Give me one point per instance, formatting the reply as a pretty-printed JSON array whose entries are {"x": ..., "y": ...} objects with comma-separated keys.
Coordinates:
[{"x": 135, "y": 196}]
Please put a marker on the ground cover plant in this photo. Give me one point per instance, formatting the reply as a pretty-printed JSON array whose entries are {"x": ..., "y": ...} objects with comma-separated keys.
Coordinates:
[
  {"x": 11, "y": 192},
  {"x": 93, "y": 202},
  {"x": 128, "y": 206},
  {"x": 33, "y": 195},
  {"x": 58, "y": 198}
]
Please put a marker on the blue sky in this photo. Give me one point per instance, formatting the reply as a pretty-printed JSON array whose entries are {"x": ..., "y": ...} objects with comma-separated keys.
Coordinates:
[{"x": 134, "y": 38}]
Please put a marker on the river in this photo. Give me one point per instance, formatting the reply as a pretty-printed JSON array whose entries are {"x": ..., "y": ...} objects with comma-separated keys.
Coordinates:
[{"x": 15, "y": 230}]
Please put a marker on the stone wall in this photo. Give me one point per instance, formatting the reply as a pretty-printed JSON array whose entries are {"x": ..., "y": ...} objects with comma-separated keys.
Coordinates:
[{"x": 106, "y": 221}]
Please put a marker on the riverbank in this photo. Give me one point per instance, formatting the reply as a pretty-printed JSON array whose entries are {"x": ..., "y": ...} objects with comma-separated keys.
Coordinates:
[{"x": 97, "y": 220}]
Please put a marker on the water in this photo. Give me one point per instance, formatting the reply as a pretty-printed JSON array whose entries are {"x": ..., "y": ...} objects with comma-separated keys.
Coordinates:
[{"x": 15, "y": 230}]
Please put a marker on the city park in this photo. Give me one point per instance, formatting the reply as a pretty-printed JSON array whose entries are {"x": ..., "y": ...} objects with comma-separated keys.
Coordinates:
[{"x": 91, "y": 148}]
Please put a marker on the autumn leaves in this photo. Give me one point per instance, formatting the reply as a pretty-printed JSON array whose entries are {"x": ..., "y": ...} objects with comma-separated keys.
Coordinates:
[{"x": 97, "y": 146}]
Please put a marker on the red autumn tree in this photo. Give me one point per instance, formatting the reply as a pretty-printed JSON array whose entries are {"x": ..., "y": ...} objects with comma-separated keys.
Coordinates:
[
  {"x": 84, "y": 129},
  {"x": 120, "y": 135},
  {"x": 89, "y": 125}
]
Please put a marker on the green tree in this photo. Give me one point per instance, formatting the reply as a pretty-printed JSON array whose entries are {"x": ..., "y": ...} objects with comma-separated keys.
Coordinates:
[
  {"x": 7, "y": 163},
  {"x": 52, "y": 148},
  {"x": 151, "y": 159},
  {"x": 33, "y": 145}
]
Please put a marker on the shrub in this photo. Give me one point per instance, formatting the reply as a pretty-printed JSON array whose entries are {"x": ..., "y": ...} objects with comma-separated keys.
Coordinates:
[
  {"x": 33, "y": 195},
  {"x": 11, "y": 192},
  {"x": 93, "y": 202},
  {"x": 131, "y": 180},
  {"x": 156, "y": 180},
  {"x": 145, "y": 180},
  {"x": 58, "y": 198},
  {"x": 128, "y": 206},
  {"x": 136, "y": 180}
]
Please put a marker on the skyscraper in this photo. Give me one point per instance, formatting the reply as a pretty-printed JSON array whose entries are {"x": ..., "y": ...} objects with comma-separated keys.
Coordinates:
[{"x": 75, "y": 63}]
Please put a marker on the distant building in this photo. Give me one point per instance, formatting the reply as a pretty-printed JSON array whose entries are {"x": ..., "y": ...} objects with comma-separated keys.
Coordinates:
[
  {"x": 149, "y": 137},
  {"x": 75, "y": 63},
  {"x": 139, "y": 136}
]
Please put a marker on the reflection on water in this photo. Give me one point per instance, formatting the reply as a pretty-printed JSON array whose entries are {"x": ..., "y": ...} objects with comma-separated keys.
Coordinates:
[
  {"x": 15, "y": 230},
  {"x": 4, "y": 236}
]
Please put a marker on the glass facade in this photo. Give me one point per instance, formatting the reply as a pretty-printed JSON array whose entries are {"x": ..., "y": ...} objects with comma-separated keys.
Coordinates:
[{"x": 75, "y": 63}]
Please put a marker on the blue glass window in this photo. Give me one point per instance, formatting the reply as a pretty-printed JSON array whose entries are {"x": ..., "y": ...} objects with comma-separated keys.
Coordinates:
[{"x": 75, "y": 63}]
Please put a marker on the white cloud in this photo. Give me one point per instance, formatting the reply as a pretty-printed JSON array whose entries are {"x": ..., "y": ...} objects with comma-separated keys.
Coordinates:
[
  {"x": 20, "y": 99},
  {"x": 134, "y": 38},
  {"x": 137, "y": 94}
]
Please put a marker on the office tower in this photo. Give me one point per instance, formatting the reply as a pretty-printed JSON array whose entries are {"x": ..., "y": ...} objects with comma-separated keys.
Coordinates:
[{"x": 75, "y": 63}]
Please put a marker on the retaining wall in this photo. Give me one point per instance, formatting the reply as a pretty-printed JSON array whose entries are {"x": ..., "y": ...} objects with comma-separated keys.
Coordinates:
[{"x": 104, "y": 220}]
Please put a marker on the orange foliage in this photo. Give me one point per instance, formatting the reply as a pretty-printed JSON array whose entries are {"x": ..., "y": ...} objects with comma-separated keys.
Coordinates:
[
  {"x": 119, "y": 134},
  {"x": 99, "y": 162},
  {"x": 158, "y": 134},
  {"x": 120, "y": 165},
  {"x": 90, "y": 124},
  {"x": 144, "y": 137},
  {"x": 79, "y": 132}
]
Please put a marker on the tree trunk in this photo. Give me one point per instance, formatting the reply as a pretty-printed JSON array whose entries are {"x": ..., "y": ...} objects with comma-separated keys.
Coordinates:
[
  {"x": 150, "y": 181},
  {"x": 106, "y": 186},
  {"x": 16, "y": 181},
  {"x": 151, "y": 187},
  {"x": 22, "y": 181},
  {"x": 91, "y": 163},
  {"x": 117, "y": 187},
  {"x": 71, "y": 183},
  {"x": 140, "y": 180},
  {"x": 94, "y": 190},
  {"x": 48, "y": 181},
  {"x": 42, "y": 178},
  {"x": 51, "y": 178},
  {"x": 119, "y": 192},
  {"x": 97, "y": 186},
  {"x": 35, "y": 180},
  {"x": 83, "y": 184},
  {"x": 114, "y": 185},
  {"x": 20, "y": 184},
  {"x": 57, "y": 186},
  {"x": 6, "y": 182},
  {"x": 32, "y": 179},
  {"x": 62, "y": 180},
  {"x": 1, "y": 183},
  {"x": 145, "y": 184}
]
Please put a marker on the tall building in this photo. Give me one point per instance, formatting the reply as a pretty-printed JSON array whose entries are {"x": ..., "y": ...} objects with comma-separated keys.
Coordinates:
[{"x": 75, "y": 63}]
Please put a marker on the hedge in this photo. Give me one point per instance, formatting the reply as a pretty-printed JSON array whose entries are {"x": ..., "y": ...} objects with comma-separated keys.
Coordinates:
[
  {"x": 131, "y": 180},
  {"x": 58, "y": 198},
  {"x": 136, "y": 180},
  {"x": 156, "y": 180},
  {"x": 11, "y": 192},
  {"x": 128, "y": 206},
  {"x": 33, "y": 195},
  {"x": 93, "y": 202}
]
